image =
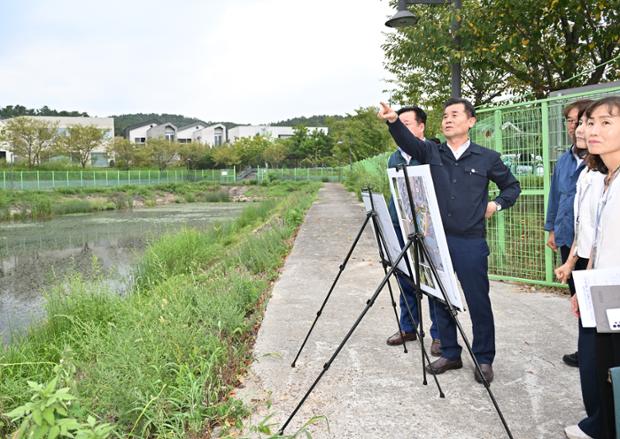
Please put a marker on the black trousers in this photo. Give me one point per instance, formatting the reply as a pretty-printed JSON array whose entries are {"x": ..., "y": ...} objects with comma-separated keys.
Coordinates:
[
  {"x": 607, "y": 356},
  {"x": 564, "y": 253}
]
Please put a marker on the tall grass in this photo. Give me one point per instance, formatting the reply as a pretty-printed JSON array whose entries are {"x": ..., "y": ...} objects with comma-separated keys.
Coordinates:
[{"x": 161, "y": 362}]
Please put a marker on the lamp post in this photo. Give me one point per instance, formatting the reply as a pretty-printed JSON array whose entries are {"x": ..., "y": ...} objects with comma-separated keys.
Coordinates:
[{"x": 404, "y": 18}]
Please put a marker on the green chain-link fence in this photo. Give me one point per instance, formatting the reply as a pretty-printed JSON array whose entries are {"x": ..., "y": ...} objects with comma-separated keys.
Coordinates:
[
  {"x": 318, "y": 174},
  {"x": 46, "y": 180},
  {"x": 530, "y": 136}
]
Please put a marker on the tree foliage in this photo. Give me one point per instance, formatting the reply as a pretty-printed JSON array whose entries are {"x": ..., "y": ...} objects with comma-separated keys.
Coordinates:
[
  {"x": 507, "y": 48},
  {"x": 19, "y": 110},
  {"x": 359, "y": 136},
  {"x": 123, "y": 152},
  {"x": 31, "y": 140},
  {"x": 159, "y": 152},
  {"x": 80, "y": 141}
]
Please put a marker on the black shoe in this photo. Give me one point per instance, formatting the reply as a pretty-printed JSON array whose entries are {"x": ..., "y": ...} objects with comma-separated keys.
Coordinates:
[
  {"x": 487, "y": 372},
  {"x": 571, "y": 360},
  {"x": 399, "y": 338},
  {"x": 443, "y": 364}
]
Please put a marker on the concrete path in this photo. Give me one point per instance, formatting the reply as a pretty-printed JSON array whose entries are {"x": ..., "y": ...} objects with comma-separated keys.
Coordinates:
[{"x": 375, "y": 391}]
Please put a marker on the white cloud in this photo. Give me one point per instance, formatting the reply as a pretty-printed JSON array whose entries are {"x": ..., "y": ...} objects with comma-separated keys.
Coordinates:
[{"x": 246, "y": 61}]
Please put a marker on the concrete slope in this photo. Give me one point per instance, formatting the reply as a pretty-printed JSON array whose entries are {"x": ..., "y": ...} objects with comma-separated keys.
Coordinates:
[{"x": 376, "y": 391}]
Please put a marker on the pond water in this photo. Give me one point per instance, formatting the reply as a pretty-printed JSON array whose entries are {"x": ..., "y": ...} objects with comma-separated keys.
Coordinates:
[{"x": 34, "y": 256}]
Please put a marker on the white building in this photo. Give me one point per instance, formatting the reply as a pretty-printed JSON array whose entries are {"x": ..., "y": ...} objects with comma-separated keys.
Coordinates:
[
  {"x": 99, "y": 155},
  {"x": 186, "y": 134},
  {"x": 213, "y": 135},
  {"x": 137, "y": 133},
  {"x": 270, "y": 132}
]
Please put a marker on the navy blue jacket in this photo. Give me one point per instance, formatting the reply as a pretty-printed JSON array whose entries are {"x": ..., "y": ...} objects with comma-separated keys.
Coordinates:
[
  {"x": 462, "y": 186},
  {"x": 560, "y": 213}
]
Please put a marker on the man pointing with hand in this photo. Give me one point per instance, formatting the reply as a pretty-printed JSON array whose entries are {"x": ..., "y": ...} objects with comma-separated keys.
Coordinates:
[{"x": 461, "y": 171}]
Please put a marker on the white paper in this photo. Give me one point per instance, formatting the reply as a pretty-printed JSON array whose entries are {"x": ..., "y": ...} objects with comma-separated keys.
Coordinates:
[
  {"x": 584, "y": 280},
  {"x": 387, "y": 227},
  {"x": 429, "y": 222}
]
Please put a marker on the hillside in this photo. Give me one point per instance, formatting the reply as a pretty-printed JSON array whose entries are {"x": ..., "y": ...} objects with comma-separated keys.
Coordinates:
[{"x": 312, "y": 121}]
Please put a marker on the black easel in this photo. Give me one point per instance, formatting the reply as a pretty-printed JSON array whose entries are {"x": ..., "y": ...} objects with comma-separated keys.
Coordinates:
[
  {"x": 419, "y": 250},
  {"x": 382, "y": 243}
]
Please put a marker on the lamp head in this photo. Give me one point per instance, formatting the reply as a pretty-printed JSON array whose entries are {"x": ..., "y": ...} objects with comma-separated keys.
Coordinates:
[{"x": 402, "y": 18}]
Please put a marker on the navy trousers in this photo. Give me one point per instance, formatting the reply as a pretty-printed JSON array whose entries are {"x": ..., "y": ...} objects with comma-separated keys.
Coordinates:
[
  {"x": 469, "y": 258},
  {"x": 591, "y": 424},
  {"x": 408, "y": 297}
]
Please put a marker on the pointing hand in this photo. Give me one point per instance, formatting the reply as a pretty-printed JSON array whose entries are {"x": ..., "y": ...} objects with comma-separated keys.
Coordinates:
[{"x": 386, "y": 113}]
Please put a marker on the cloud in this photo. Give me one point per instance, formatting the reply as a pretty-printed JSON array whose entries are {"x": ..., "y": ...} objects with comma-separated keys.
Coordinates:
[{"x": 246, "y": 61}]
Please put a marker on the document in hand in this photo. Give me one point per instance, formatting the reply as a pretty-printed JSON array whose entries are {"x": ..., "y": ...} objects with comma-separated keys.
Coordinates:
[{"x": 584, "y": 281}]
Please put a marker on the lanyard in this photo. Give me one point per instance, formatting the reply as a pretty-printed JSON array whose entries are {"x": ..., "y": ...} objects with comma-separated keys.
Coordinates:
[{"x": 599, "y": 214}]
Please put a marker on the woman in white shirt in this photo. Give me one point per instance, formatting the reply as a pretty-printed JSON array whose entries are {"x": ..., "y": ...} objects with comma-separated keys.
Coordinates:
[
  {"x": 589, "y": 190},
  {"x": 603, "y": 139}
]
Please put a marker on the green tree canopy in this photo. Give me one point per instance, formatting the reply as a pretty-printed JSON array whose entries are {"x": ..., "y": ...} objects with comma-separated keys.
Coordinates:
[
  {"x": 359, "y": 136},
  {"x": 508, "y": 48},
  {"x": 31, "y": 140},
  {"x": 80, "y": 141}
]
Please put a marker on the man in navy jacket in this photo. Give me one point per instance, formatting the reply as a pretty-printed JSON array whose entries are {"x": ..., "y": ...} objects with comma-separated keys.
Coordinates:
[
  {"x": 461, "y": 171},
  {"x": 414, "y": 118}
]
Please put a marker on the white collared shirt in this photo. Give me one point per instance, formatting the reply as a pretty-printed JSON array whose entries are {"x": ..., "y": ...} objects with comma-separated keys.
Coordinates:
[
  {"x": 460, "y": 150},
  {"x": 590, "y": 187}
]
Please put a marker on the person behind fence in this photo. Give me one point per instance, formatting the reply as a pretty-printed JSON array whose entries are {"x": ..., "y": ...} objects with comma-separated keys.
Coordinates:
[
  {"x": 414, "y": 118},
  {"x": 603, "y": 138},
  {"x": 560, "y": 217},
  {"x": 589, "y": 191},
  {"x": 461, "y": 171}
]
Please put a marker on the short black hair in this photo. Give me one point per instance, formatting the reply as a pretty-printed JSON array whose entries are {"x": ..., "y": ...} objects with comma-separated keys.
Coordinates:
[
  {"x": 469, "y": 108},
  {"x": 420, "y": 115}
]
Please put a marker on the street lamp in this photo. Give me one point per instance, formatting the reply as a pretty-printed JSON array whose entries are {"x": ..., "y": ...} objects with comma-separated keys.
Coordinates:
[{"x": 404, "y": 18}]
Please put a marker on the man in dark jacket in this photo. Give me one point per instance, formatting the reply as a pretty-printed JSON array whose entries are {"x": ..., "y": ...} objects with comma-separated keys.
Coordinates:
[
  {"x": 461, "y": 171},
  {"x": 414, "y": 118}
]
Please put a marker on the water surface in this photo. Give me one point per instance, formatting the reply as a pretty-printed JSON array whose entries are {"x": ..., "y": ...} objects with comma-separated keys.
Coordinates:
[{"x": 36, "y": 255}]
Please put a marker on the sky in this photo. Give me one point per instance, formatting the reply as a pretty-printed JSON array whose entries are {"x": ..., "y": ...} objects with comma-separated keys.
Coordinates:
[{"x": 244, "y": 61}]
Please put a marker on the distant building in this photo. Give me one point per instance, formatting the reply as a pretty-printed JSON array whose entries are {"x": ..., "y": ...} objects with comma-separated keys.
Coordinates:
[
  {"x": 213, "y": 135},
  {"x": 99, "y": 155},
  {"x": 137, "y": 133},
  {"x": 185, "y": 134},
  {"x": 163, "y": 131},
  {"x": 268, "y": 131}
]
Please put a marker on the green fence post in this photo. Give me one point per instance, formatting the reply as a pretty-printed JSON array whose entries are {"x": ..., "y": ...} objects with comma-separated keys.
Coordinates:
[
  {"x": 67, "y": 177},
  {"x": 234, "y": 174},
  {"x": 82, "y": 178},
  {"x": 149, "y": 176},
  {"x": 38, "y": 181},
  {"x": 106, "y": 178},
  {"x": 21, "y": 177},
  {"x": 4, "y": 179},
  {"x": 118, "y": 177},
  {"x": 128, "y": 177},
  {"x": 94, "y": 179},
  {"x": 139, "y": 177},
  {"x": 500, "y": 220},
  {"x": 294, "y": 174},
  {"x": 544, "y": 108}
]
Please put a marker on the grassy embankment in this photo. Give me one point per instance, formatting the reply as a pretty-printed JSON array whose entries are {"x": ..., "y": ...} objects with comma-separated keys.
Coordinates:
[
  {"x": 46, "y": 204},
  {"x": 162, "y": 361}
]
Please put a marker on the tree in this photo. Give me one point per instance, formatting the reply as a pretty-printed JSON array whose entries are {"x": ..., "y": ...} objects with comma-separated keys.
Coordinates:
[
  {"x": 123, "y": 152},
  {"x": 250, "y": 150},
  {"x": 360, "y": 136},
  {"x": 30, "y": 139},
  {"x": 191, "y": 153},
  {"x": 508, "y": 48},
  {"x": 80, "y": 141},
  {"x": 225, "y": 156},
  {"x": 161, "y": 152},
  {"x": 275, "y": 153}
]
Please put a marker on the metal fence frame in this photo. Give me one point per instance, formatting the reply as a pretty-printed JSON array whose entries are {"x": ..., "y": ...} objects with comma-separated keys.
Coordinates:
[
  {"x": 530, "y": 136},
  {"x": 336, "y": 174},
  {"x": 50, "y": 180}
]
